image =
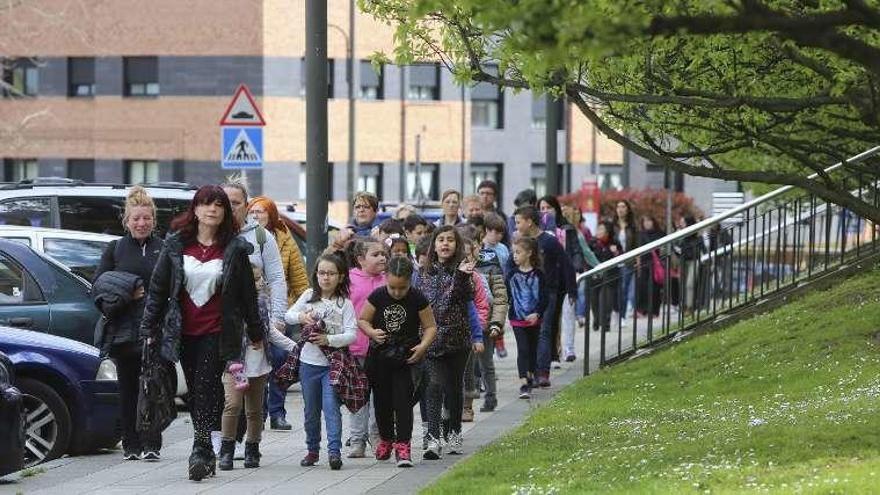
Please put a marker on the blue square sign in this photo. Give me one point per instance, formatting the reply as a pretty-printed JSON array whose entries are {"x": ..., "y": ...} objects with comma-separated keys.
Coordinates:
[{"x": 241, "y": 147}]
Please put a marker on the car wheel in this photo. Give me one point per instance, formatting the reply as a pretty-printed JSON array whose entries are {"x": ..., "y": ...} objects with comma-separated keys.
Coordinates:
[{"x": 47, "y": 425}]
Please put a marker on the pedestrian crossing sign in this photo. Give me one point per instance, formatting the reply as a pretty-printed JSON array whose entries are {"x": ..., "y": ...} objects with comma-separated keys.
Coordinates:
[{"x": 241, "y": 147}]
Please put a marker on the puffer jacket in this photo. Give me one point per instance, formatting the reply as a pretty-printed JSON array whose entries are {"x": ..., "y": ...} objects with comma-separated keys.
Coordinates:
[
  {"x": 294, "y": 269},
  {"x": 162, "y": 314},
  {"x": 489, "y": 267},
  {"x": 448, "y": 290},
  {"x": 112, "y": 293}
]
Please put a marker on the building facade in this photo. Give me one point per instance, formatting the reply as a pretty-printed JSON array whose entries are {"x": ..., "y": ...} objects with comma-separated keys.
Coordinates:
[{"x": 133, "y": 92}]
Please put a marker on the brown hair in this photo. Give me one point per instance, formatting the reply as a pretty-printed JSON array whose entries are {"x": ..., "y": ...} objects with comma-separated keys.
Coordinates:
[
  {"x": 188, "y": 225},
  {"x": 530, "y": 245}
]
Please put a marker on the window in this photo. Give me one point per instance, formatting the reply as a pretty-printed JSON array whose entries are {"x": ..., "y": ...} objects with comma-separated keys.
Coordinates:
[
  {"x": 486, "y": 171},
  {"x": 487, "y": 104},
  {"x": 102, "y": 215},
  {"x": 303, "y": 181},
  {"x": 16, "y": 285},
  {"x": 610, "y": 177},
  {"x": 141, "y": 171},
  {"x": 539, "y": 113},
  {"x": 330, "y": 76},
  {"x": 429, "y": 178},
  {"x": 141, "y": 76},
  {"x": 80, "y": 255},
  {"x": 424, "y": 82},
  {"x": 27, "y": 212},
  {"x": 21, "y": 77},
  {"x": 539, "y": 178},
  {"x": 372, "y": 82},
  {"x": 370, "y": 179},
  {"x": 81, "y": 76},
  {"x": 19, "y": 169},
  {"x": 83, "y": 170}
]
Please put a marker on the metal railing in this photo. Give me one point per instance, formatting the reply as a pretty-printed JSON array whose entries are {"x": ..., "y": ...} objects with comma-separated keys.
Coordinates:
[{"x": 702, "y": 273}]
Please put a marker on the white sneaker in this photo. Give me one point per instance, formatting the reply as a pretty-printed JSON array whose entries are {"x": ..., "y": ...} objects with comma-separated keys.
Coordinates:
[
  {"x": 425, "y": 436},
  {"x": 433, "y": 452},
  {"x": 215, "y": 442},
  {"x": 556, "y": 365},
  {"x": 453, "y": 442},
  {"x": 239, "y": 451}
]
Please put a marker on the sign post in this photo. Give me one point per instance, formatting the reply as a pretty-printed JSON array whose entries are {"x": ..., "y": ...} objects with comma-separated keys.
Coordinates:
[{"x": 241, "y": 133}]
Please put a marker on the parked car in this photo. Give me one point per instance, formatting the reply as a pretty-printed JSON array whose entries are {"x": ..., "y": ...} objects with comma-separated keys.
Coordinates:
[
  {"x": 79, "y": 251},
  {"x": 11, "y": 419},
  {"x": 71, "y": 396}
]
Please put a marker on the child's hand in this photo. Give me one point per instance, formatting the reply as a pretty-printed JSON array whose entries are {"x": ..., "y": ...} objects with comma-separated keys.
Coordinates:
[
  {"x": 319, "y": 339},
  {"x": 467, "y": 266},
  {"x": 379, "y": 335},
  {"x": 478, "y": 347},
  {"x": 532, "y": 318},
  {"x": 418, "y": 352},
  {"x": 306, "y": 318}
]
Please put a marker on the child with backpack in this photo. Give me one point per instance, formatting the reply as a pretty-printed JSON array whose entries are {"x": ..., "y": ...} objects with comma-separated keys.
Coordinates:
[{"x": 528, "y": 300}]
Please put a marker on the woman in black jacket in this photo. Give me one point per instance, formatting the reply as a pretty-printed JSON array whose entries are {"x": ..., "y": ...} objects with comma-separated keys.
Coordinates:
[
  {"x": 201, "y": 297},
  {"x": 647, "y": 290},
  {"x": 134, "y": 254}
]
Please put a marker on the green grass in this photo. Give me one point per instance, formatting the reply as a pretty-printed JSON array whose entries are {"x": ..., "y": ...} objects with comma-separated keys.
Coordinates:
[{"x": 787, "y": 402}]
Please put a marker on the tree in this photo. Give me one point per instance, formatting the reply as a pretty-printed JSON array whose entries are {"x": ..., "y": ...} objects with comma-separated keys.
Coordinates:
[{"x": 745, "y": 90}]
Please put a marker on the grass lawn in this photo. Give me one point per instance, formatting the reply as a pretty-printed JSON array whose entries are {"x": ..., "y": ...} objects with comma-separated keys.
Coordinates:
[{"x": 787, "y": 402}]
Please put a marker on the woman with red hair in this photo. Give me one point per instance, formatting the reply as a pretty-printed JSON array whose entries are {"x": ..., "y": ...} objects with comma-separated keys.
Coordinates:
[{"x": 265, "y": 212}]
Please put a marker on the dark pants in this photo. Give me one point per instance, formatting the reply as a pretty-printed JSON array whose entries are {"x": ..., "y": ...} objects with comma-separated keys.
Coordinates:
[
  {"x": 275, "y": 395},
  {"x": 526, "y": 349},
  {"x": 602, "y": 301},
  {"x": 203, "y": 369},
  {"x": 393, "y": 392},
  {"x": 445, "y": 385},
  {"x": 549, "y": 330},
  {"x": 127, "y": 358}
]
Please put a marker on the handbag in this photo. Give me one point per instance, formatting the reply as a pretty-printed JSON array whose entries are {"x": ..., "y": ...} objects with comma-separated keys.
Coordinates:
[{"x": 658, "y": 271}]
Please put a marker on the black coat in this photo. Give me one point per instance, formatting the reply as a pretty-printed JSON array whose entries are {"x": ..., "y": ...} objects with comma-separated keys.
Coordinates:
[
  {"x": 124, "y": 255},
  {"x": 162, "y": 314}
]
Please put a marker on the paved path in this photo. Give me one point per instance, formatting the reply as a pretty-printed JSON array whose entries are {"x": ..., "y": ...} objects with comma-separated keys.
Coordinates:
[{"x": 280, "y": 472}]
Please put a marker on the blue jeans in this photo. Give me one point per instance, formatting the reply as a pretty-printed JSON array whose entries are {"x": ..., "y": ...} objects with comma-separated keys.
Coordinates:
[
  {"x": 627, "y": 290},
  {"x": 318, "y": 396},
  {"x": 274, "y": 394},
  {"x": 549, "y": 320}
]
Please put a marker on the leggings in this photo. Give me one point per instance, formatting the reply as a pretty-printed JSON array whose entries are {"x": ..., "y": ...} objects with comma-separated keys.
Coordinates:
[
  {"x": 252, "y": 399},
  {"x": 127, "y": 357},
  {"x": 445, "y": 385},
  {"x": 393, "y": 393},
  {"x": 526, "y": 349},
  {"x": 202, "y": 368}
]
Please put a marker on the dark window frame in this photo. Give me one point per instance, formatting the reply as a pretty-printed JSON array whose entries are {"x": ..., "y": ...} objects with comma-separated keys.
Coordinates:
[
  {"x": 140, "y": 72},
  {"x": 372, "y": 169},
  {"x": 127, "y": 170},
  {"x": 433, "y": 193},
  {"x": 367, "y": 67},
  {"x": 81, "y": 77},
  {"x": 23, "y": 69},
  {"x": 81, "y": 163},
  {"x": 434, "y": 87}
]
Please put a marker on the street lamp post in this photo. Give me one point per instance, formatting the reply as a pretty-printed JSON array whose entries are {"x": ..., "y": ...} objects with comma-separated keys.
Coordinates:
[
  {"x": 316, "y": 130},
  {"x": 351, "y": 81}
]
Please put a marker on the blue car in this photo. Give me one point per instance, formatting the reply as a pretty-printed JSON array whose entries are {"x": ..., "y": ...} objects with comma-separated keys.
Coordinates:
[
  {"x": 71, "y": 396},
  {"x": 11, "y": 431}
]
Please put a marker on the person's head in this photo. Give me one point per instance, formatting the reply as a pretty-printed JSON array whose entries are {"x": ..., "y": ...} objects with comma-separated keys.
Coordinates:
[
  {"x": 399, "y": 277},
  {"x": 525, "y": 197},
  {"x": 649, "y": 223},
  {"x": 365, "y": 206},
  {"x": 495, "y": 228},
  {"x": 397, "y": 246},
  {"x": 139, "y": 216},
  {"x": 446, "y": 246},
  {"x": 472, "y": 206},
  {"x": 390, "y": 227},
  {"x": 370, "y": 255},
  {"x": 450, "y": 201},
  {"x": 422, "y": 248},
  {"x": 479, "y": 225},
  {"x": 330, "y": 278},
  {"x": 525, "y": 252},
  {"x": 209, "y": 207},
  {"x": 264, "y": 211},
  {"x": 623, "y": 212},
  {"x": 470, "y": 240},
  {"x": 415, "y": 228},
  {"x": 236, "y": 189},
  {"x": 526, "y": 219},
  {"x": 604, "y": 230},
  {"x": 572, "y": 213},
  {"x": 487, "y": 190},
  {"x": 549, "y": 205},
  {"x": 404, "y": 211},
  {"x": 686, "y": 221}
]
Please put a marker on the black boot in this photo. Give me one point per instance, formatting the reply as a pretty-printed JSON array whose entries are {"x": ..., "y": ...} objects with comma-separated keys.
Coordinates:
[
  {"x": 252, "y": 455},
  {"x": 202, "y": 462},
  {"x": 227, "y": 451}
]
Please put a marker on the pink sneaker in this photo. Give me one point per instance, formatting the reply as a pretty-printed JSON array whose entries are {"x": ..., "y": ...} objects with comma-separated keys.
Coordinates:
[
  {"x": 383, "y": 450},
  {"x": 402, "y": 454}
]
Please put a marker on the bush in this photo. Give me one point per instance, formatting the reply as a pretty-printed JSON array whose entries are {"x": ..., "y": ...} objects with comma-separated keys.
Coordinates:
[{"x": 644, "y": 202}]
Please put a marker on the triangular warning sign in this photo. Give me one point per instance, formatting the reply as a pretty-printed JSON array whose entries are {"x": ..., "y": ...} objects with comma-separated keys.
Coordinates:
[
  {"x": 242, "y": 150},
  {"x": 242, "y": 110}
]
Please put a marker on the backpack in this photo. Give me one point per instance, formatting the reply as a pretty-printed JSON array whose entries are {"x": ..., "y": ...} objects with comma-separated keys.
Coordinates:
[{"x": 261, "y": 237}]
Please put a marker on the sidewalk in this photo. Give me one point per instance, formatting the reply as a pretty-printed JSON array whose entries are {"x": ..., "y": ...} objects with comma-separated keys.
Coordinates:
[{"x": 280, "y": 472}]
